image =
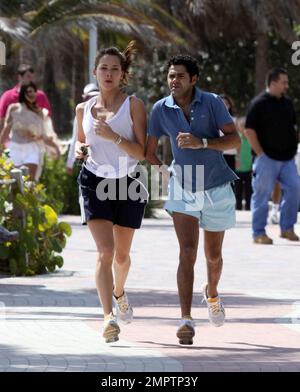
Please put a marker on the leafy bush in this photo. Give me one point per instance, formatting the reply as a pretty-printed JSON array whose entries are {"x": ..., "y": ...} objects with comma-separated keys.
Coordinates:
[
  {"x": 61, "y": 189},
  {"x": 42, "y": 236}
]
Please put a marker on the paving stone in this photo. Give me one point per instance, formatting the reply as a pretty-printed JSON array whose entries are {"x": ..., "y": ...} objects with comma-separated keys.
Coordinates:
[{"x": 53, "y": 322}]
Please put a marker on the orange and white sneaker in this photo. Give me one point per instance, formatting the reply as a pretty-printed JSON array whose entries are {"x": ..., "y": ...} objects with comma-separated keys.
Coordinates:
[
  {"x": 216, "y": 311},
  {"x": 186, "y": 330},
  {"x": 111, "y": 329}
]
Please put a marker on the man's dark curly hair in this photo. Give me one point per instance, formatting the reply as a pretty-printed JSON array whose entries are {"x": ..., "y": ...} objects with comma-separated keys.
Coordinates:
[{"x": 188, "y": 61}]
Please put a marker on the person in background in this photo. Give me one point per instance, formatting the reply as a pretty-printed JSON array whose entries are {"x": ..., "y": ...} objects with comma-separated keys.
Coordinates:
[
  {"x": 230, "y": 154},
  {"x": 28, "y": 124},
  {"x": 25, "y": 75},
  {"x": 243, "y": 187},
  {"x": 276, "y": 198},
  {"x": 271, "y": 130},
  {"x": 89, "y": 91},
  {"x": 297, "y": 161}
]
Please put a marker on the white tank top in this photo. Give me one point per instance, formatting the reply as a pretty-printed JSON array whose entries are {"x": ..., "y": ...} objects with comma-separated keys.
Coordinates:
[{"x": 106, "y": 159}]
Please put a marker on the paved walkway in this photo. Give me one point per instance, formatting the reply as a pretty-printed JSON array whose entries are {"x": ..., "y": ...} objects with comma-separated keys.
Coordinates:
[{"x": 53, "y": 322}]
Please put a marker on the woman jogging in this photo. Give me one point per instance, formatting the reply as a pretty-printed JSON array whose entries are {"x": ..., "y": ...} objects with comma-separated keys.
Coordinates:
[{"x": 112, "y": 126}]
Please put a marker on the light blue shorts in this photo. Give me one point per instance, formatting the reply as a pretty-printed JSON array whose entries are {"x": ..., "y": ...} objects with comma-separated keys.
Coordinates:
[{"x": 215, "y": 208}]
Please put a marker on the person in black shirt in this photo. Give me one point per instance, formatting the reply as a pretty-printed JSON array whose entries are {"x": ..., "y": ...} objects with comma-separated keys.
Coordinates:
[{"x": 271, "y": 131}]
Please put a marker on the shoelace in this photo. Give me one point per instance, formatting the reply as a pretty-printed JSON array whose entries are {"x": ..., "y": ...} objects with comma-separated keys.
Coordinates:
[
  {"x": 109, "y": 318},
  {"x": 123, "y": 303},
  {"x": 216, "y": 308}
]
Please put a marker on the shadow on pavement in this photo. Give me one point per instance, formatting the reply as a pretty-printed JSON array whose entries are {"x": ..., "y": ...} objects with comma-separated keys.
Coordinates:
[
  {"x": 36, "y": 301},
  {"x": 40, "y": 295}
]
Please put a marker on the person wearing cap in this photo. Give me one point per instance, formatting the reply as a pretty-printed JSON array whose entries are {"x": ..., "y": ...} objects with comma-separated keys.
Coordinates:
[{"x": 89, "y": 91}]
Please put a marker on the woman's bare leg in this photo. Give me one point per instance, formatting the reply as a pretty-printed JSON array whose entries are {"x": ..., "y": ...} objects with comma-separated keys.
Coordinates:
[
  {"x": 102, "y": 231},
  {"x": 123, "y": 239}
]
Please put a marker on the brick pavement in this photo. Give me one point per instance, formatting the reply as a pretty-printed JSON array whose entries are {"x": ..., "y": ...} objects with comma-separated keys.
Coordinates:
[{"x": 53, "y": 322}]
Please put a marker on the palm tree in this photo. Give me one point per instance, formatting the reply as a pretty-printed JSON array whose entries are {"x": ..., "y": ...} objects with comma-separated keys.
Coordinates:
[
  {"x": 56, "y": 33},
  {"x": 208, "y": 20},
  {"x": 58, "y": 29},
  {"x": 145, "y": 19}
]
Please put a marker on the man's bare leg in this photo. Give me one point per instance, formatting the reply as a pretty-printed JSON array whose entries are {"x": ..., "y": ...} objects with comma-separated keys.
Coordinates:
[
  {"x": 213, "y": 252},
  {"x": 187, "y": 231}
]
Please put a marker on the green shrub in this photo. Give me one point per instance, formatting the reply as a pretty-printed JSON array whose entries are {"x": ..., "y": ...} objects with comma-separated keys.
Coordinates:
[
  {"x": 42, "y": 236},
  {"x": 61, "y": 188}
]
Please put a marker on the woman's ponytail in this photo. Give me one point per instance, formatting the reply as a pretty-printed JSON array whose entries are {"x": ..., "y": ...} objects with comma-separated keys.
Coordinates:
[{"x": 128, "y": 54}]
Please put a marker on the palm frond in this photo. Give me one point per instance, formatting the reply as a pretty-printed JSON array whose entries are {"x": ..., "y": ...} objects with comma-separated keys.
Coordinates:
[
  {"x": 138, "y": 13},
  {"x": 104, "y": 23},
  {"x": 14, "y": 27}
]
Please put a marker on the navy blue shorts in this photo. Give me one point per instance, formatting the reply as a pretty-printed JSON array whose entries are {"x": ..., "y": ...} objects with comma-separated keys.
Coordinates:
[{"x": 112, "y": 199}]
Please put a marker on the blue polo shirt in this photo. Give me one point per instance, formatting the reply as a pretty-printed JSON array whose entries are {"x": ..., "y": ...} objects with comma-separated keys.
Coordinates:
[{"x": 207, "y": 116}]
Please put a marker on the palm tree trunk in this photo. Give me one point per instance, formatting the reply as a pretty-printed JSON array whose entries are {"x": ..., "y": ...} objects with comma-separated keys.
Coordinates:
[
  {"x": 26, "y": 54},
  {"x": 52, "y": 93},
  {"x": 81, "y": 63},
  {"x": 2, "y": 53},
  {"x": 261, "y": 61}
]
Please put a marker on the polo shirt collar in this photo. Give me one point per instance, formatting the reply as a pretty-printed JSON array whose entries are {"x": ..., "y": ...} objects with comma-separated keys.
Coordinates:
[{"x": 170, "y": 102}]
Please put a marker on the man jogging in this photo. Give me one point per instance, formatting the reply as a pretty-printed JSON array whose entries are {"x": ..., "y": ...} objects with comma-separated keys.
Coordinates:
[{"x": 192, "y": 119}]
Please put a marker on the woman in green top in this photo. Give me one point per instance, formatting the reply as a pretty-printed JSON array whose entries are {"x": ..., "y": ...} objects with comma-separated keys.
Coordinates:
[{"x": 243, "y": 188}]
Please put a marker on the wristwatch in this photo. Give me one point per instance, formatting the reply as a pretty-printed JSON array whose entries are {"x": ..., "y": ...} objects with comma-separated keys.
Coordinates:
[{"x": 204, "y": 142}]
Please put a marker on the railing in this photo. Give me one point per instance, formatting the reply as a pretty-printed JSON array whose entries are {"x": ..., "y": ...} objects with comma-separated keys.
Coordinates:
[{"x": 17, "y": 186}]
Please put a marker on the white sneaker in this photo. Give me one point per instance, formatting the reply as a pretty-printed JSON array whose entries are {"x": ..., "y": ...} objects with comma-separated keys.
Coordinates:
[
  {"x": 111, "y": 329},
  {"x": 274, "y": 218},
  {"x": 186, "y": 331},
  {"x": 123, "y": 309},
  {"x": 216, "y": 311}
]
